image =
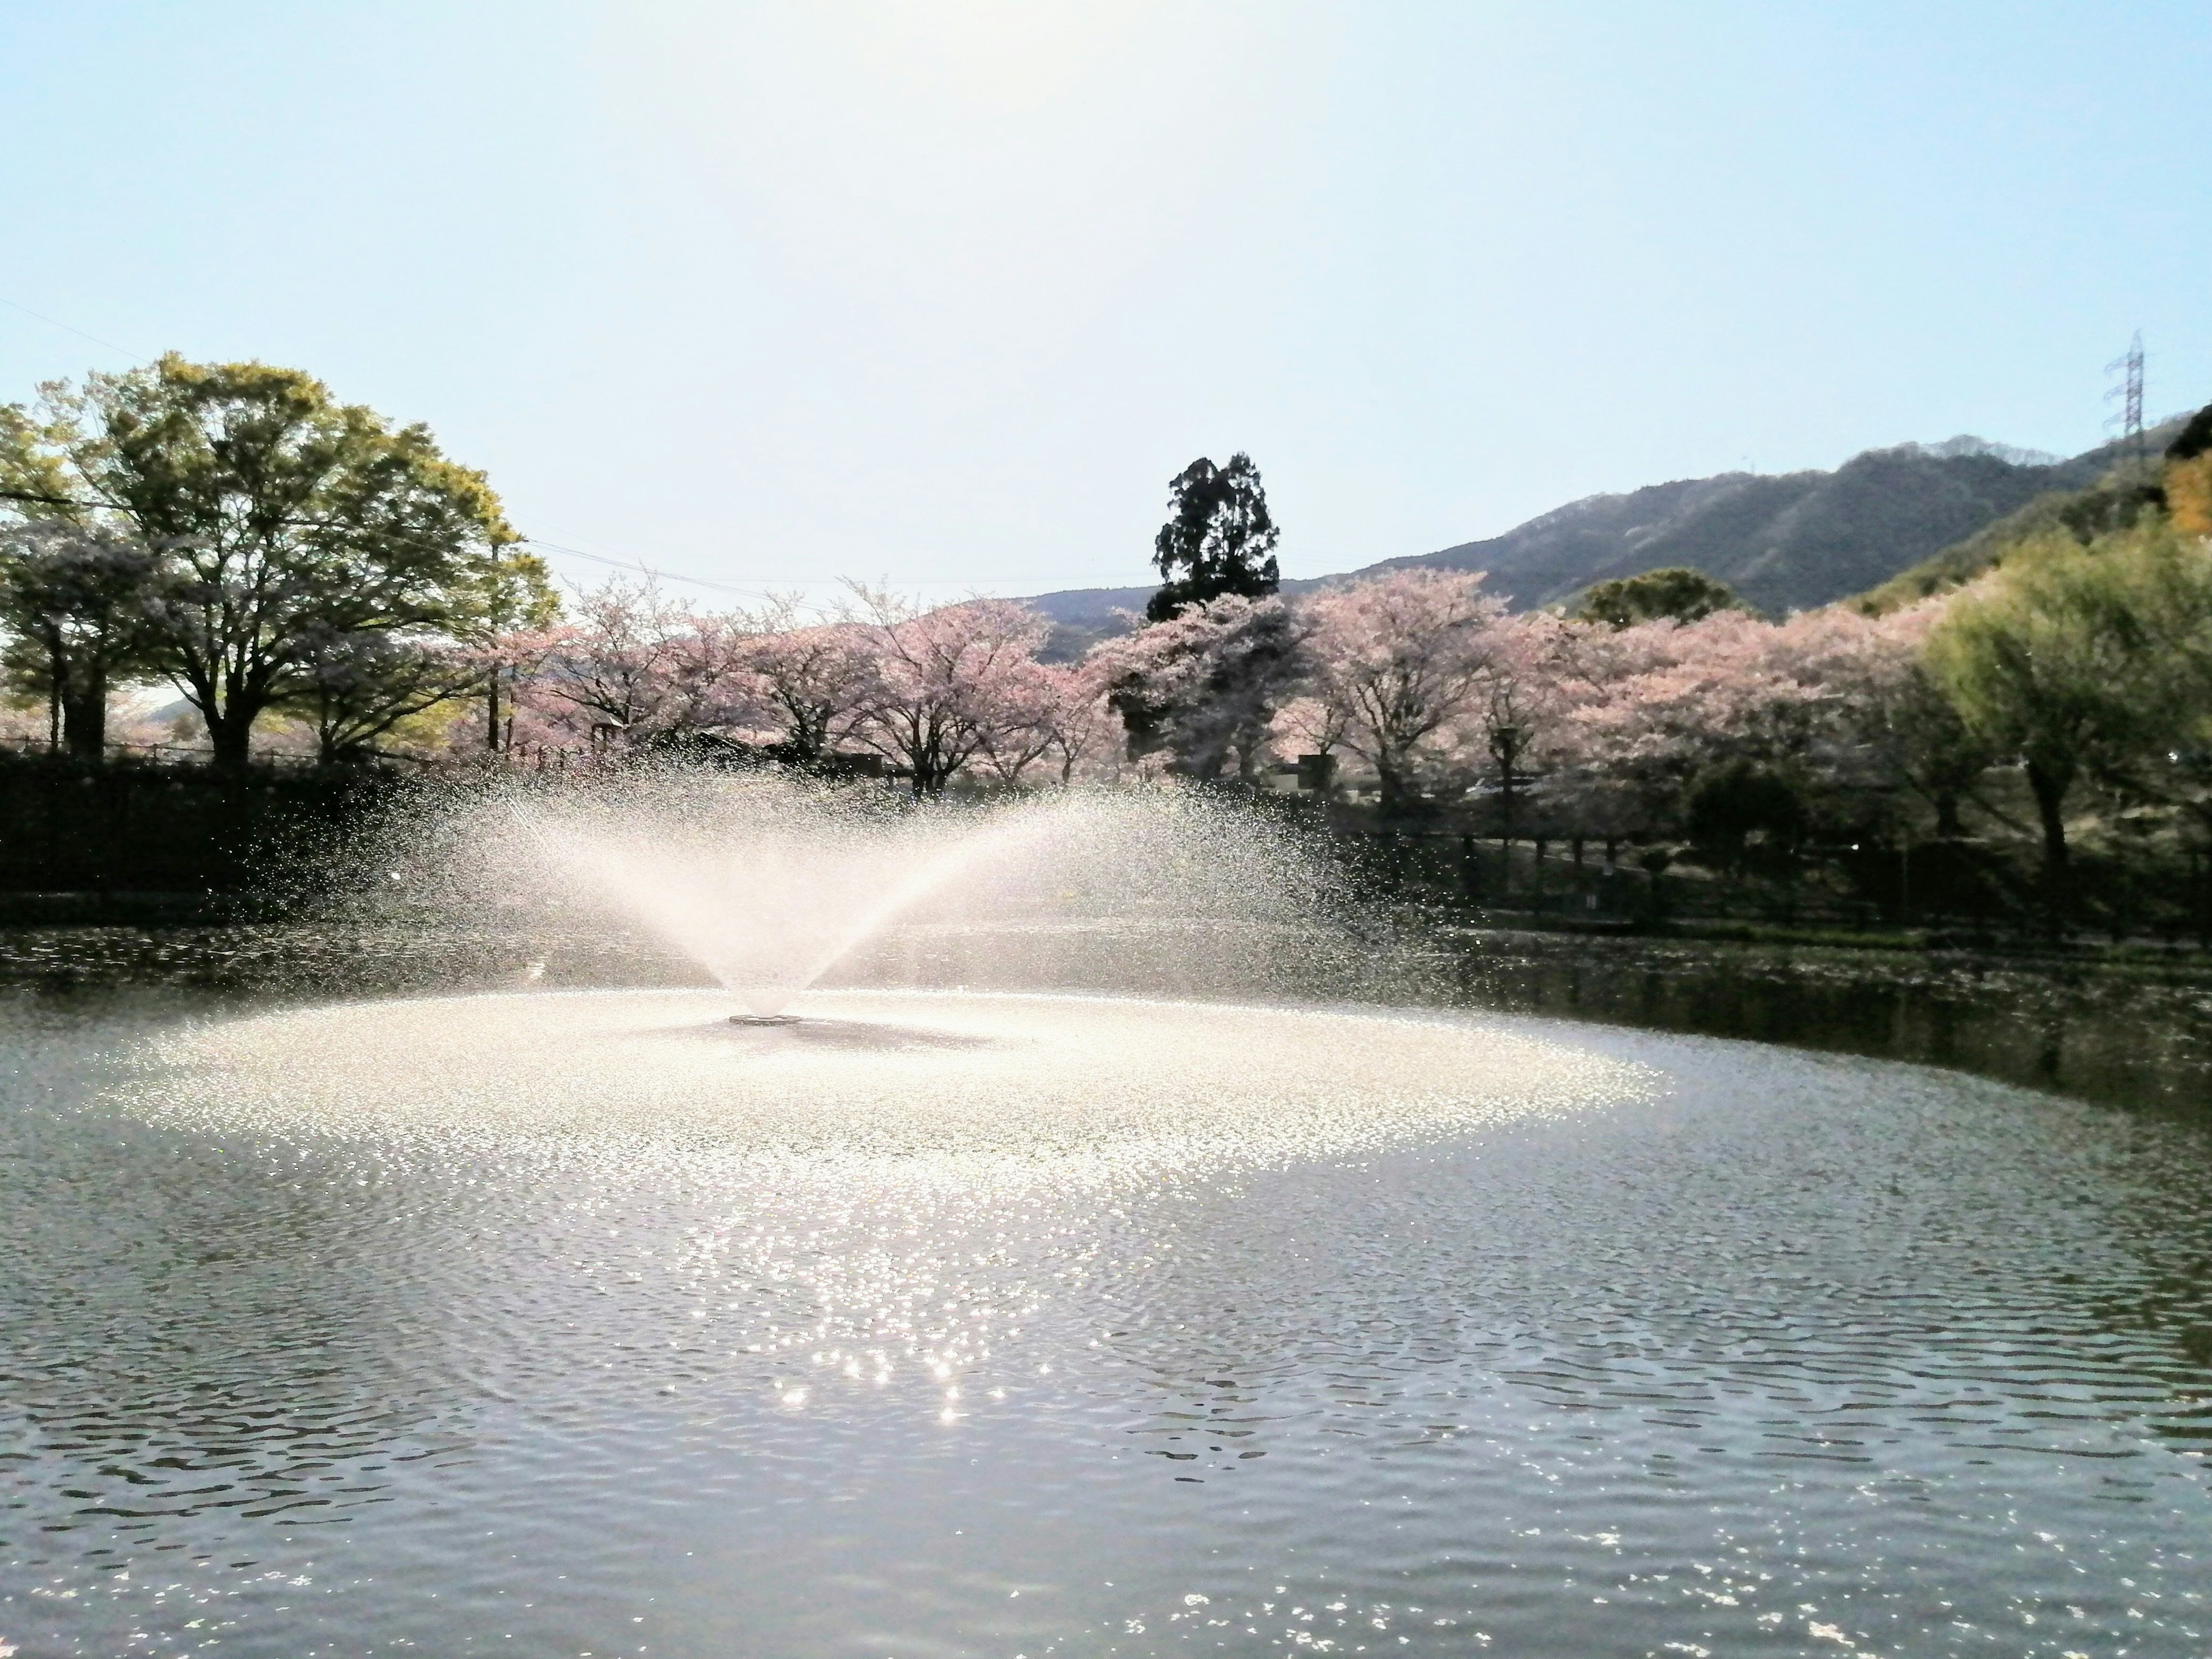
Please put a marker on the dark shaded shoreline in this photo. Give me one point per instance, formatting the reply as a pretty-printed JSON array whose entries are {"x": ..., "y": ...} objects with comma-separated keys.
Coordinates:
[{"x": 2117, "y": 1029}]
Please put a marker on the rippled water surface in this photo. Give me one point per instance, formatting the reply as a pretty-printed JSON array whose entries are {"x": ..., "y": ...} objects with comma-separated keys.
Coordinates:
[{"x": 588, "y": 1324}]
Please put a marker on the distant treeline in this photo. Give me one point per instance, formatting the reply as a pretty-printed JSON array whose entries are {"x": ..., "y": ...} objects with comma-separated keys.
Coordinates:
[{"x": 288, "y": 562}]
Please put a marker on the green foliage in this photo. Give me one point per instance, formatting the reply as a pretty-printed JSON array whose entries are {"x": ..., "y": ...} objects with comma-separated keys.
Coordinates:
[
  {"x": 2085, "y": 661},
  {"x": 291, "y": 532},
  {"x": 75, "y": 603},
  {"x": 1739, "y": 808},
  {"x": 1219, "y": 538},
  {"x": 1678, "y": 592},
  {"x": 2193, "y": 439},
  {"x": 2082, "y": 514},
  {"x": 2116, "y": 498}
]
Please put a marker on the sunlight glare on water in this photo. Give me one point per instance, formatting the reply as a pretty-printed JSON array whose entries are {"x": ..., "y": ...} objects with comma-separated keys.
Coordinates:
[
  {"x": 952, "y": 1323},
  {"x": 965, "y": 1089}
]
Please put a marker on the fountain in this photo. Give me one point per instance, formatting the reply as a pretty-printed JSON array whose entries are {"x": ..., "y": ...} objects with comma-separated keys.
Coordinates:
[
  {"x": 765, "y": 883},
  {"x": 1065, "y": 1251},
  {"x": 769, "y": 884},
  {"x": 1031, "y": 908}
]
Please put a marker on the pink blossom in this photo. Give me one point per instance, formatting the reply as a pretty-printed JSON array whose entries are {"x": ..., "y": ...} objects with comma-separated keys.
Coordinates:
[
  {"x": 1396, "y": 659},
  {"x": 944, "y": 683}
]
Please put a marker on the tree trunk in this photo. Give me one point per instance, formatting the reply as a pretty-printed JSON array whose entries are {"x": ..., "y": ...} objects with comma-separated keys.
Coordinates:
[
  {"x": 230, "y": 736},
  {"x": 1390, "y": 789},
  {"x": 1948, "y": 824},
  {"x": 2050, "y": 788},
  {"x": 84, "y": 719}
]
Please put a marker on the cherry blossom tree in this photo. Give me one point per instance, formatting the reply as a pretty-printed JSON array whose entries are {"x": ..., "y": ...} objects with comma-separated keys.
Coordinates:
[
  {"x": 943, "y": 684},
  {"x": 1202, "y": 687},
  {"x": 1820, "y": 698},
  {"x": 1083, "y": 725},
  {"x": 633, "y": 666},
  {"x": 1514, "y": 727},
  {"x": 808, "y": 681},
  {"x": 1395, "y": 659},
  {"x": 1022, "y": 733},
  {"x": 1053, "y": 713},
  {"x": 1419, "y": 674},
  {"x": 712, "y": 683},
  {"x": 610, "y": 673},
  {"x": 1308, "y": 725},
  {"x": 1655, "y": 701}
]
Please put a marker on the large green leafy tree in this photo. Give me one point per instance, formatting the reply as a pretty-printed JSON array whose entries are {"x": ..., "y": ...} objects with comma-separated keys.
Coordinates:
[
  {"x": 2087, "y": 663},
  {"x": 75, "y": 601},
  {"x": 1219, "y": 539},
  {"x": 354, "y": 689},
  {"x": 1678, "y": 592},
  {"x": 292, "y": 533},
  {"x": 357, "y": 687}
]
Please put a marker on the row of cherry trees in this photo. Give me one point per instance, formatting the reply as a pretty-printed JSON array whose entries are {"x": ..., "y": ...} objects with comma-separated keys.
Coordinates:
[
  {"x": 1426, "y": 686},
  {"x": 1419, "y": 683},
  {"x": 956, "y": 691}
]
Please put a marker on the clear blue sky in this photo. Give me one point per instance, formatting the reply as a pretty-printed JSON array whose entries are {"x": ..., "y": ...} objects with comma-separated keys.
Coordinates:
[{"x": 945, "y": 293}]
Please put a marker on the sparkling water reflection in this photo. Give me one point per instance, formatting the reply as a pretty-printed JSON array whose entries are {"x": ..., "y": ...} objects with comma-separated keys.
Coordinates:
[{"x": 589, "y": 1324}]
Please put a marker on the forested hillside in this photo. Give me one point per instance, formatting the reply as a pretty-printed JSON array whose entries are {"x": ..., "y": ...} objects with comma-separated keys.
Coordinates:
[
  {"x": 2106, "y": 498},
  {"x": 1785, "y": 542}
]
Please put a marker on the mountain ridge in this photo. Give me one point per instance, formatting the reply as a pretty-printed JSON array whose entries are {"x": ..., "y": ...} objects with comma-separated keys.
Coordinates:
[{"x": 1785, "y": 541}]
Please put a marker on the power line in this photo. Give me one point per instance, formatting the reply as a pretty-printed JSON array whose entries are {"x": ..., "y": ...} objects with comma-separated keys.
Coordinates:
[
  {"x": 650, "y": 572},
  {"x": 1117, "y": 580},
  {"x": 638, "y": 566},
  {"x": 645, "y": 570},
  {"x": 135, "y": 356},
  {"x": 531, "y": 541}
]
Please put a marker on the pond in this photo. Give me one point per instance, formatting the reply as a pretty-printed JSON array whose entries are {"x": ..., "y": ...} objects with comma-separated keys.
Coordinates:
[{"x": 387, "y": 1291}]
